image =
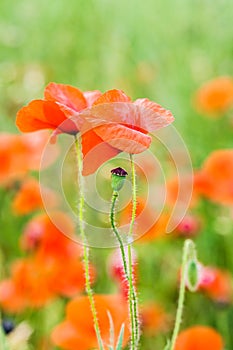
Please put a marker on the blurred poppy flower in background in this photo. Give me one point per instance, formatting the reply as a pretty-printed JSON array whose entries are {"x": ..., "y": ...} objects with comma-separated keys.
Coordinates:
[
  {"x": 215, "y": 97},
  {"x": 199, "y": 338},
  {"x": 216, "y": 283},
  {"x": 148, "y": 227},
  {"x": 35, "y": 281},
  {"x": 153, "y": 318},
  {"x": 28, "y": 197},
  {"x": 20, "y": 154},
  {"x": 215, "y": 179},
  {"x": 77, "y": 331},
  {"x": 189, "y": 226},
  {"x": 44, "y": 237}
]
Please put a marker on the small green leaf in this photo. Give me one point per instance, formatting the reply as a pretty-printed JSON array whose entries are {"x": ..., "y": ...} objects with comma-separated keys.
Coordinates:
[
  {"x": 111, "y": 331},
  {"x": 120, "y": 338}
]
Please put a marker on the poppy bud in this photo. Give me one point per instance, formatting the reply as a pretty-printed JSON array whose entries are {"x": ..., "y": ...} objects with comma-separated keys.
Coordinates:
[
  {"x": 118, "y": 178},
  {"x": 193, "y": 275}
]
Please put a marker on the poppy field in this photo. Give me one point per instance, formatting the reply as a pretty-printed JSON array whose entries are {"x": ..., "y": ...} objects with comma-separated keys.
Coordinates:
[{"x": 116, "y": 175}]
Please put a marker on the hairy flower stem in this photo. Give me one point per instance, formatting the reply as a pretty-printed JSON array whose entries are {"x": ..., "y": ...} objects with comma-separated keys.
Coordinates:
[
  {"x": 124, "y": 260},
  {"x": 188, "y": 252},
  {"x": 133, "y": 295},
  {"x": 128, "y": 269},
  {"x": 78, "y": 153}
]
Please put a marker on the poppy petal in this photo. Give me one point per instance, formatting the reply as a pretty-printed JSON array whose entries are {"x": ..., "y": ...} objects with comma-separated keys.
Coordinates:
[
  {"x": 95, "y": 152},
  {"x": 67, "y": 336},
  {"x": 164, "y": 115},
  {"x": 123, "y": 138},
  {"x": 91, "y": 96},
  {"x": 112, "y": 96},
  {"x": 66, "y": 95},
  {"x": 54, "y": 115},
  {"x": 134, "y": 115},
  {"x": 199, "y": 337},
  {"x": 32, "y": 117}
]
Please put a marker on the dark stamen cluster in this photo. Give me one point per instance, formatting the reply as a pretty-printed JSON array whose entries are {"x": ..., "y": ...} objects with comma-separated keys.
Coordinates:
[{"x": 119, "y": 172}]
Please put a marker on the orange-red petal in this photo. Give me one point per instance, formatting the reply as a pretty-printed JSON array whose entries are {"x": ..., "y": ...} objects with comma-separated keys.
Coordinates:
[
  {"x": 32, "y": 117},
  {"x": 112, "y": 96},
  {"x": 124, "y": 138},
  {"x": 66, "y": 95},
  {"x": 142, "y": 115},
  {"x": 69, "y": 337},
  {"x": 91, "y": 96},
  {"x": 95, "y": 152},
  {"x": 199, "y": 338}
]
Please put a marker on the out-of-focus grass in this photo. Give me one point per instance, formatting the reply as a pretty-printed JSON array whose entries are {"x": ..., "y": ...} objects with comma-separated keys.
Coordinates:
[{"x": 162, "y": 50}]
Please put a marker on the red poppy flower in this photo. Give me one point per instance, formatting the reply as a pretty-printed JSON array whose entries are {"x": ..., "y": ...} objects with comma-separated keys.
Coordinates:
[
  {"x": 36, "y": 280},
  {"x": 124, "y": 124},
  {"x": 189, "y": 226},
  {"x": 113, "y": 123},
  {"x": 199, "y": 338},
  {"x": 28, "y": 198},
  {"x": 61, "y": 103},
  {"x": 215, "y": 179},
  {"x": 153, "y": 318},
  {"x": 216, "y": 283},
  {"x": 41, "y": 235},
  {"x": 77, "y": 331},
  {"x": 21, "y": 153},
  {"x": 215, "y": 96},
  {"x": 147, "y": 226}
]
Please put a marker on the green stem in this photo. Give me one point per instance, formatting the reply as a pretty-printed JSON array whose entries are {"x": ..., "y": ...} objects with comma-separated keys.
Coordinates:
[
  {"x": 124, "y": 260},
  {"x": 188, "y": 252},
  {"x": 133, "y": 295},
  {"x": 78, "y": 152}
]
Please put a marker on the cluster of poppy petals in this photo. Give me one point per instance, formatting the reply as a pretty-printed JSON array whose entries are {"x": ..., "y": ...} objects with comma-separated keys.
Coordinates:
[
  {"x": 20, "y": 154},
  {"x": 36, "y": 279},
  {"x": 77, "y": 332},
  {"x": 108, "y": 123}
]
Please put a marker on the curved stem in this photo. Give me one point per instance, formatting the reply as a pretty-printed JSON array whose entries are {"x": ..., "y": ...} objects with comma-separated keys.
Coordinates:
[
  {"x": 133, "y": 217},
  {"x": 124, "y": 260},
  {"x": 188, "y": 250},
  {"x": 78, "y": 152}
]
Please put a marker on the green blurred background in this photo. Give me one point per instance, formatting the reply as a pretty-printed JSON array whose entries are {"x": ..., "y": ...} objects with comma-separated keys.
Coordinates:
[{"x": 163, "y": 50}]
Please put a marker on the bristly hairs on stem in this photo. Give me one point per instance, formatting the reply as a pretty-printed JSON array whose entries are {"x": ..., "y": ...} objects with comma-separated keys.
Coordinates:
[
  {"x": 125, "y": 265},
  {"x": 79, "y": 160},
  {"x": 118, "y": 177},
  {"x": 132, "y": 286},
  {"x": 189, "y": 253}
]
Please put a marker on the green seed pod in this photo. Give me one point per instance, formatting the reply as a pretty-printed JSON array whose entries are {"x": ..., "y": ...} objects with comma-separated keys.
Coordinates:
[
  {"x": 118, "y": 178},
  {"x": 193, "y": 276}
]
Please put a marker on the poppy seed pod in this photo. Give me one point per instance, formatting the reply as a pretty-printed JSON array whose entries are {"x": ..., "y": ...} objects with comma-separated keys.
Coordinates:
[{"x": 118, "y": 178}]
